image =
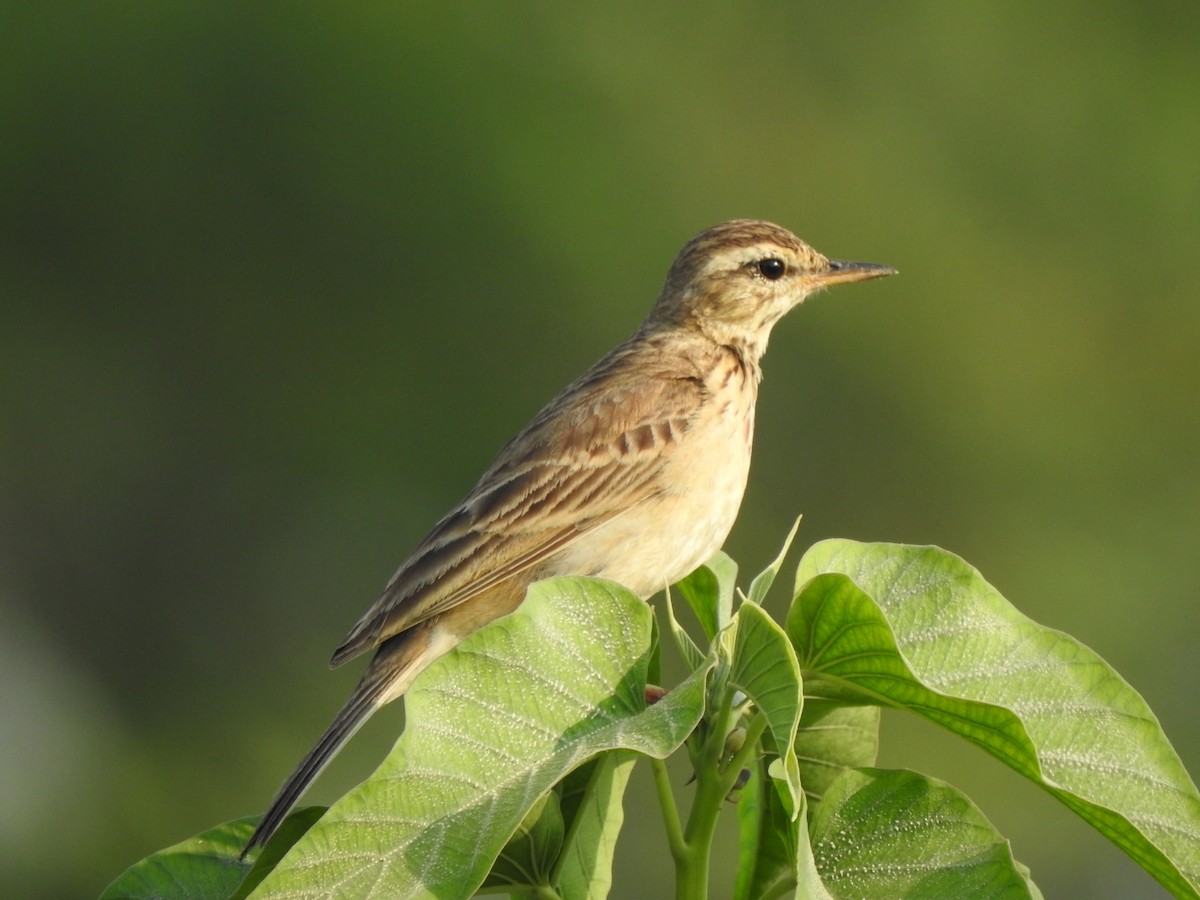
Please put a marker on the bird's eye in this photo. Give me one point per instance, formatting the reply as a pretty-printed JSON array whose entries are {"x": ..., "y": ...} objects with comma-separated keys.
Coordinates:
[{"x": 771, "y": 268}]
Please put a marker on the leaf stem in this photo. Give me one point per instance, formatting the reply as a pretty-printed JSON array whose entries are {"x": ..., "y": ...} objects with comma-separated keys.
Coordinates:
[
  {"x": 666, "y": 800},
  {"x": 713, "y": 784}
]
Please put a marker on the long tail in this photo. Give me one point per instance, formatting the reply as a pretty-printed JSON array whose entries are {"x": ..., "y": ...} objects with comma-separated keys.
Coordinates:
[
  {"x": 393, "y": 669},
  {"x": 349, "y": 719}
]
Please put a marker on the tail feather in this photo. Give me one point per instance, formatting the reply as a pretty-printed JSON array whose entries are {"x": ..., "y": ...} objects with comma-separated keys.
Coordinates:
[
  {"x": 358, "y": 709},
  {"x": 396, "y": 664}
]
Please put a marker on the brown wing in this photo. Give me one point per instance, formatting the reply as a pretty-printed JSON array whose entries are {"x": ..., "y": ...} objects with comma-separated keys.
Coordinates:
[{"x": 590, "y": 455}]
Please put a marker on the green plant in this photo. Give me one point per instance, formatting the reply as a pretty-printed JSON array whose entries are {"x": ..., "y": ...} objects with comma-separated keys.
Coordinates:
[{"x": 509, "y": 778}]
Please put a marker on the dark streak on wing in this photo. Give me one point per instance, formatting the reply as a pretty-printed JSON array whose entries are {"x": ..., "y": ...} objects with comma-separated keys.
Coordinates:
[{"x": 590, "y": 455}]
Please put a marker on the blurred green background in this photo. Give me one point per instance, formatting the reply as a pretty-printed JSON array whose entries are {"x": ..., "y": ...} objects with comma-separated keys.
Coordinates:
[{"x": 278, "y": 280}]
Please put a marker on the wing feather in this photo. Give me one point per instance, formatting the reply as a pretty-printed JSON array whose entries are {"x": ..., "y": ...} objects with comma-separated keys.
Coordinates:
[{"x": 591, "y": 454}]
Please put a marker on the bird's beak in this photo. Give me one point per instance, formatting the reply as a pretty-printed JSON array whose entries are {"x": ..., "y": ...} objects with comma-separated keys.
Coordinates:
[{"x": 841, "y": 272}]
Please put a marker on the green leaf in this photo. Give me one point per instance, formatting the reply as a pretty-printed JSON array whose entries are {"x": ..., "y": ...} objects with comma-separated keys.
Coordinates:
[
  {"x": 763, "y": 580},
  {"x": 918, "y": 628},
  {"x": 492, "y": 726},
  {"x": 764, "y": 667},
  {"x": 766, "y": 839},
  {"x": 529, "y": 856},
  {"x": 890, "y": 833},
  {"x": 586, "y": 869},
  {"x": 692, "y": 654},
  {"x": 294, "y": 827},
  {"x": 709, "y": 591},
  {"x": 832, "y": 738},
  {"x": 205, "y": 867}
]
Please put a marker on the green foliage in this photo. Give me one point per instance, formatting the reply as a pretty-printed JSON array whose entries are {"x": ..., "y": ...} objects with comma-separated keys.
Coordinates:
[
  {"x": 918, "y": 628},
  {"x": 199, "y": 868},
  {"x": 277, "y": 287},
  {"x": 511, "y": 774},
  {"x": 543, "y": 692},
  {"x": 901, "y": 834}
]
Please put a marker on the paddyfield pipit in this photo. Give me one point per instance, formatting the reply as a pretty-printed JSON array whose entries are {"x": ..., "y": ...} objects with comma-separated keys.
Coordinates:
[{"x": 634, "y": 472}]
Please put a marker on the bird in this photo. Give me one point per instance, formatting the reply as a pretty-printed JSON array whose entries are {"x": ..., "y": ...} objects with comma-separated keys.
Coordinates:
[{"x": 634, "y": 472}]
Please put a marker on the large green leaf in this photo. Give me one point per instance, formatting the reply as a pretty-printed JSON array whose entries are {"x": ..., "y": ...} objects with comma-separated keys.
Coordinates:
[
  {"x": 891, "y": 833},
  {"x": 832, "y": 738},
  {"x": 918, "y": 628},
  {"x": 764, "y": 667},
  {"x": 205, "y": 867},
  {"x": 491, "y": 728},
  {"x": 210, "y": 866},
  {"x": 585, "y": 871}
]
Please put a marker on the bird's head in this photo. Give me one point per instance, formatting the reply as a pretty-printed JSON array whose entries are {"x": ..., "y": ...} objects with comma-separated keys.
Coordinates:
[{"x": 734, "y": 281}]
